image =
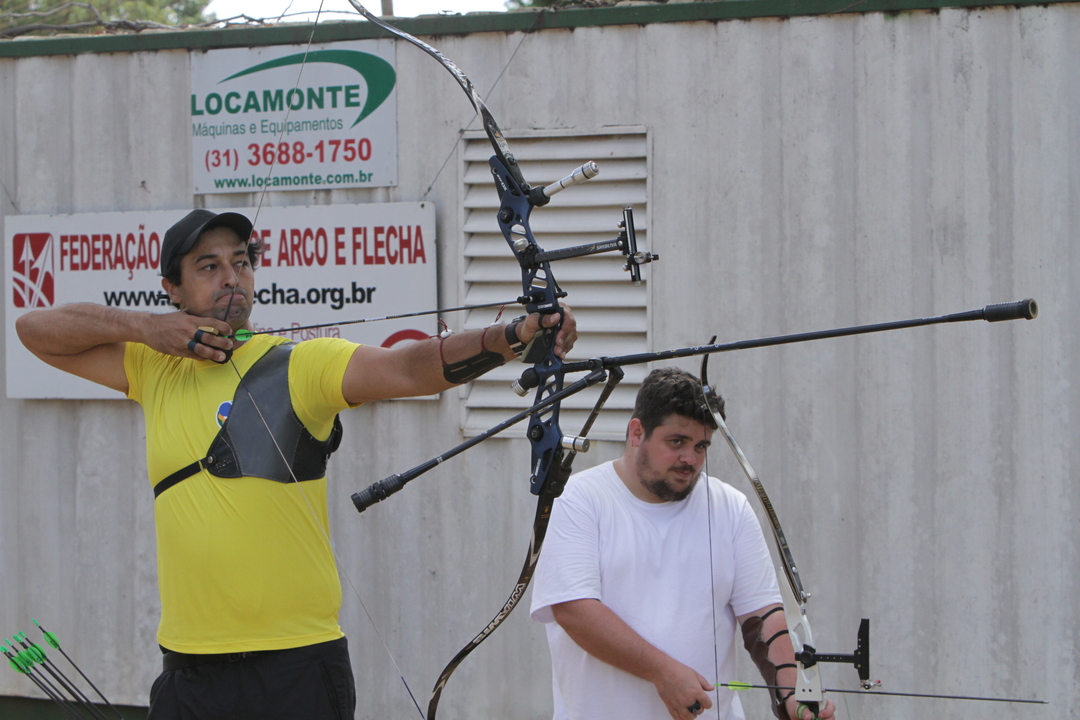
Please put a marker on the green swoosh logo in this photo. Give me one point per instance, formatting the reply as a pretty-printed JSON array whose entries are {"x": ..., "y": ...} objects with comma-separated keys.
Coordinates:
[{"x": 377, "y": 73}]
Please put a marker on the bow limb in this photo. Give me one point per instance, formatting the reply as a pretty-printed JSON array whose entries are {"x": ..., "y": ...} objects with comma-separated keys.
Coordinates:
[
  {"x": 539, "y": 531},
  {"x": 552, "y": 488},
  {"x": 491, "y": 128},
  {"x": 808, "y": 690}
]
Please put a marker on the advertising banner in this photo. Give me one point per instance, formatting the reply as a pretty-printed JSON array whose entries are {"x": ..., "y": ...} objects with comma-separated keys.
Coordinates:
[
  {"x": 322, "y": 264},
  {"x": 289, "y": 117}
]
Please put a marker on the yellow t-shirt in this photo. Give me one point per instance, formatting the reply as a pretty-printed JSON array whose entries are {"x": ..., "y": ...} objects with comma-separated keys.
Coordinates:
[{"x": 243, "y": 563}]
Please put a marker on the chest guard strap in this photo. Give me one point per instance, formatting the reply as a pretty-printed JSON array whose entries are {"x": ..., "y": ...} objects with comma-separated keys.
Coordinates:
[{"x": 244, "y": 448}]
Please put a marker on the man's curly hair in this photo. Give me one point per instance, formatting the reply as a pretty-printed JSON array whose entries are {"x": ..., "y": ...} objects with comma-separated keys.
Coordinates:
[{"x": 671, "y": 391}]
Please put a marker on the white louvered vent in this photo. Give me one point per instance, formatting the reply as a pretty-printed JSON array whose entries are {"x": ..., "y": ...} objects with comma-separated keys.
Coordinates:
[{"x": 611, "y": 311}]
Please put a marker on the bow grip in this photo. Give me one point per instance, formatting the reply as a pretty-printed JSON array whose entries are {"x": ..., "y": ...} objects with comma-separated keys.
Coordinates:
[
  {"x": 1026, "y": 309},
  {"x": 378, "y": 492},
  {"x": 540, "y": 346}
]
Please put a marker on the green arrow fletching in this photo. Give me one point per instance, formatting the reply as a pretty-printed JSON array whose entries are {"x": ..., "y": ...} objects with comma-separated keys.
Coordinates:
[{"x": 49, "y": 637}]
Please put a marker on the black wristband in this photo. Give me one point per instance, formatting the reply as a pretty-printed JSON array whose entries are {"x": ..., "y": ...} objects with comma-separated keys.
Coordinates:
[{"x": 510, "y": 332}]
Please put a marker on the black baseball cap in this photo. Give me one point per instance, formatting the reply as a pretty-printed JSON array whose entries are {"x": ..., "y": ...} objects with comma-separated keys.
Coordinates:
[{"x": 181, "y": 237}]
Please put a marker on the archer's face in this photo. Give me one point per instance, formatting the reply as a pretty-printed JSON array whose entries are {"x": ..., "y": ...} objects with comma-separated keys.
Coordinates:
[
  {"x": 667, "y": 463},
  {"x": 216, "y": 279}
]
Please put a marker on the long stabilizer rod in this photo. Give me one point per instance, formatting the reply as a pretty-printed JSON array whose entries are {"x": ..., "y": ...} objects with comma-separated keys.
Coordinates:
[{"x": 1021, "y": 310}]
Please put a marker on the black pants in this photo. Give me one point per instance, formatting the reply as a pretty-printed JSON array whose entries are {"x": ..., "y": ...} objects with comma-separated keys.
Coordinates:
[{"x": 313, "y": 682}]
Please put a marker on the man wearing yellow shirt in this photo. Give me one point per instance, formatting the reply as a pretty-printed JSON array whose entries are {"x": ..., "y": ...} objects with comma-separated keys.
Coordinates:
[{"x": 236, "y": 510}]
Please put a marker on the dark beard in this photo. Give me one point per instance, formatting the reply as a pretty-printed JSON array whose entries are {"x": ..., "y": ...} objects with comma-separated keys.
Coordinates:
[
  {"x": 660, "y": 489},
  {"x": 658, "y": 486}
]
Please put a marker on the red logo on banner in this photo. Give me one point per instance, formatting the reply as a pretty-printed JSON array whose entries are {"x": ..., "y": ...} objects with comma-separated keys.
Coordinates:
[
  {"x": 404, "y": 336},
  {"x": 32, "y": 270}
]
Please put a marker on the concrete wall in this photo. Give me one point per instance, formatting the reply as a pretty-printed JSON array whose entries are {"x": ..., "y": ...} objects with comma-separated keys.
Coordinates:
[{"x": 806, "y": 173}]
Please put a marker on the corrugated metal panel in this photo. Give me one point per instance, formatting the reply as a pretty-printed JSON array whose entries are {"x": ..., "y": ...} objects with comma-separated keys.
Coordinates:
[{"x": 803, "y": 173}]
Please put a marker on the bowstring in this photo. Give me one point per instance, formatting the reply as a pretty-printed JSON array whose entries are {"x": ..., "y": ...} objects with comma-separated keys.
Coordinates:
[
  {"x": 288, "y": 111},
  {"x": 323, "y": 529},
  {"x": 281, "y": 134},
  {"x": 712, "y": 571},
  {"x": 487, "y": 96}
]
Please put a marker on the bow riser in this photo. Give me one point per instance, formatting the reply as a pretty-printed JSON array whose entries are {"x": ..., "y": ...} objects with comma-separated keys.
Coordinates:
[{"x": 540, "y": 294}]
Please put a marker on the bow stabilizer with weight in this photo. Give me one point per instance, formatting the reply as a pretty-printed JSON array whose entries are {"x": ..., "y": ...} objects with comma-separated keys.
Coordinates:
[{"x": 1019, "y": 310}]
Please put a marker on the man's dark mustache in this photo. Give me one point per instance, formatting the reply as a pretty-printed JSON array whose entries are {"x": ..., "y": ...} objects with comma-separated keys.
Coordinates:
[{"x": 235, "y": 291}]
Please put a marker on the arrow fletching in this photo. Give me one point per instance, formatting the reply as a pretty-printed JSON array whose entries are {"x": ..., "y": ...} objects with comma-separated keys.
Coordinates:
[
  {"x": 13, "y": 660},
  {"x": 49, "y": 637}
]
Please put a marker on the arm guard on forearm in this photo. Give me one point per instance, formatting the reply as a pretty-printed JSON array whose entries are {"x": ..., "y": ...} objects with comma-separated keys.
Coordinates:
[
  {"x": 758, "y": 647},
  {"x": 471, "y": 368}
]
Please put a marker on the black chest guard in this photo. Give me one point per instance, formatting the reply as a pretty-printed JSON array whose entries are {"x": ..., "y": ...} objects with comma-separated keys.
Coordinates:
[{"x": 244, "y": 448}]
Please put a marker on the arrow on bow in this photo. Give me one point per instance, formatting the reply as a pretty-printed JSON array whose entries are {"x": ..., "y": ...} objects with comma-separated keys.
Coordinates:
[
  {"x": 740, "y": 686},
  {"x": 243, "y": 335}
]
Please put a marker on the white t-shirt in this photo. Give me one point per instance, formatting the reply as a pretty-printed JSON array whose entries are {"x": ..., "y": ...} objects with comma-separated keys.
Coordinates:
[{"x": 649, "y": 563}]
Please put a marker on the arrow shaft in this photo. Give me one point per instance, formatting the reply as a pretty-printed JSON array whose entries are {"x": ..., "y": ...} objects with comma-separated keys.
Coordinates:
[
  {"x": 91, "y": 683},
  {"x": 385, "y": 317},
  {"x": 53, "y": 642},
  {"x": 744, "y": 686}
]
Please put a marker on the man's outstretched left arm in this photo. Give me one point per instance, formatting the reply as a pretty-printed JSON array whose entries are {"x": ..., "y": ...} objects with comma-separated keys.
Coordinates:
[{"x": 439, "y": 363}]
